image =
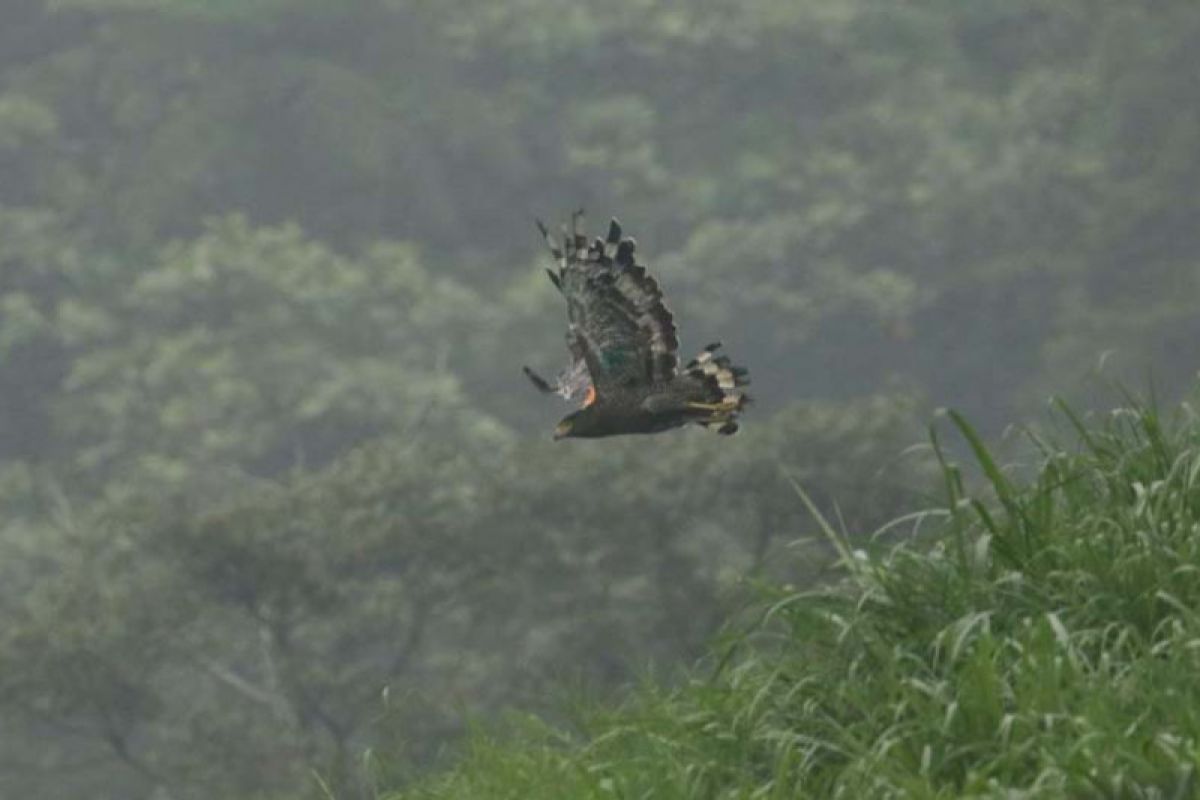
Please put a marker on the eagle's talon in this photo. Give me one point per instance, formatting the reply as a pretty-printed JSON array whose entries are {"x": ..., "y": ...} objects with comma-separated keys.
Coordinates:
[{"x": 727, "y": 406}]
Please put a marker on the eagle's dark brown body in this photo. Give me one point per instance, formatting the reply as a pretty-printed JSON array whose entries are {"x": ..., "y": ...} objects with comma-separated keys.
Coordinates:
[
  {"x": 638, "y": 409},
  {"x": 623, "y": 344}
]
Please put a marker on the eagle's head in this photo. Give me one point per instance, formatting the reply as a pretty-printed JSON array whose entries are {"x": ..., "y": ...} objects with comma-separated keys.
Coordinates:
[{"x": 581, "y": 424}]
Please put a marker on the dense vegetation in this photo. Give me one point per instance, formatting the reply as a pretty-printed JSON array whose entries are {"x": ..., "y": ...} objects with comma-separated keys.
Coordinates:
[
  {"x": 273, "y": 492},
  {"x": 1043, "y": 644}
]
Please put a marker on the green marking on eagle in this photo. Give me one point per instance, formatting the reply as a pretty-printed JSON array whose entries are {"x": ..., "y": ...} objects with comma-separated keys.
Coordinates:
[{"x": 615, "y": 358}]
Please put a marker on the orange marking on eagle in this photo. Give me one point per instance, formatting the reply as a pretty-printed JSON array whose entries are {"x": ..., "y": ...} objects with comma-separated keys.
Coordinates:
[{"x": 590, "y": 397}]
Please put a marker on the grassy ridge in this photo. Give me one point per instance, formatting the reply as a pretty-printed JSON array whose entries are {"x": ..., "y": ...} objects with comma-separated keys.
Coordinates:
[{"x": 1044, "y": 643}]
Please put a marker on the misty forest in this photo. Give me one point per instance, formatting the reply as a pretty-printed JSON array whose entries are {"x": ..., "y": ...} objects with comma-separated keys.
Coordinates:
[{"x": 281, "y": 517}]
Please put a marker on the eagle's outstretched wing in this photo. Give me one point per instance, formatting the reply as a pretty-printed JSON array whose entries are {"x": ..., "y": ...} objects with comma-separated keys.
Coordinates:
[{"x": 618, "y": 325}]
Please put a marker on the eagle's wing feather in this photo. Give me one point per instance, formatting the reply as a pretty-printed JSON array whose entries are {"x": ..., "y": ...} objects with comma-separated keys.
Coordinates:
[
  {"x": 573, "y": 382},
  {"x": 623, "y": 332}
]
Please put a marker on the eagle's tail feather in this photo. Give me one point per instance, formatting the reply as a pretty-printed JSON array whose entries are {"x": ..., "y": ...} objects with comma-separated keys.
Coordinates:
[{"x": 723, "y": 398}]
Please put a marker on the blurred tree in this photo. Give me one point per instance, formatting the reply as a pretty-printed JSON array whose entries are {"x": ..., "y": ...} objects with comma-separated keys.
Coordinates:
[
  {"x": 228, "y": 647},
  {"x": 251, "y": 351},
  {"x": 53, "y": 298},
  {"x": 936, "y": 181},
  {"x": 1138, "y": 277}
]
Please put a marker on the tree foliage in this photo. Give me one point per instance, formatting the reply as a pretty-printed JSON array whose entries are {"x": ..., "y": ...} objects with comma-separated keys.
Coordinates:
[{"x": 297, "y": 621}]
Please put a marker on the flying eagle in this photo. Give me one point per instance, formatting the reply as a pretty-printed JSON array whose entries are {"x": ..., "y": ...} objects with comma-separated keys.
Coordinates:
[{"x": 623, "y": 346}]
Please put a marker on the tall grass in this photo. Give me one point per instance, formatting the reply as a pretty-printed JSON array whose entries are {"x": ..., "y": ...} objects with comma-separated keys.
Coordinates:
[{"x": 1044, "y": 643}]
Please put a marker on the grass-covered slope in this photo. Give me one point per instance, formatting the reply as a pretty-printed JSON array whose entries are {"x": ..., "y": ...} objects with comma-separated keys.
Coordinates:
[{"x": 1044, "y": 642}]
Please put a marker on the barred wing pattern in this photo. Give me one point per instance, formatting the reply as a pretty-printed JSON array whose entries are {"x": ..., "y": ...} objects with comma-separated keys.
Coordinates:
[{"x": 619, "y": 327}]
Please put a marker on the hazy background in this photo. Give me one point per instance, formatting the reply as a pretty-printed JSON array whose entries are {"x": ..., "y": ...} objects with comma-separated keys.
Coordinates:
[{"x": 274, "y": 495}]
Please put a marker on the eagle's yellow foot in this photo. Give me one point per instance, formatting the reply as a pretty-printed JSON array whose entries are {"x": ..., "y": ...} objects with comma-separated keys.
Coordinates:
[{"x": 723, "y": 407}]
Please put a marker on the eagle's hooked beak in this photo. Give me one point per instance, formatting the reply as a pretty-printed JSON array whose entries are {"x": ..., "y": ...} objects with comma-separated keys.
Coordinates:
[{"x": 563, "y": 430}]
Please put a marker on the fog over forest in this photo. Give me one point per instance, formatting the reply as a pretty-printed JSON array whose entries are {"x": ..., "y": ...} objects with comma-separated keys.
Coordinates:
[{"x": 276, "y": 500}]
